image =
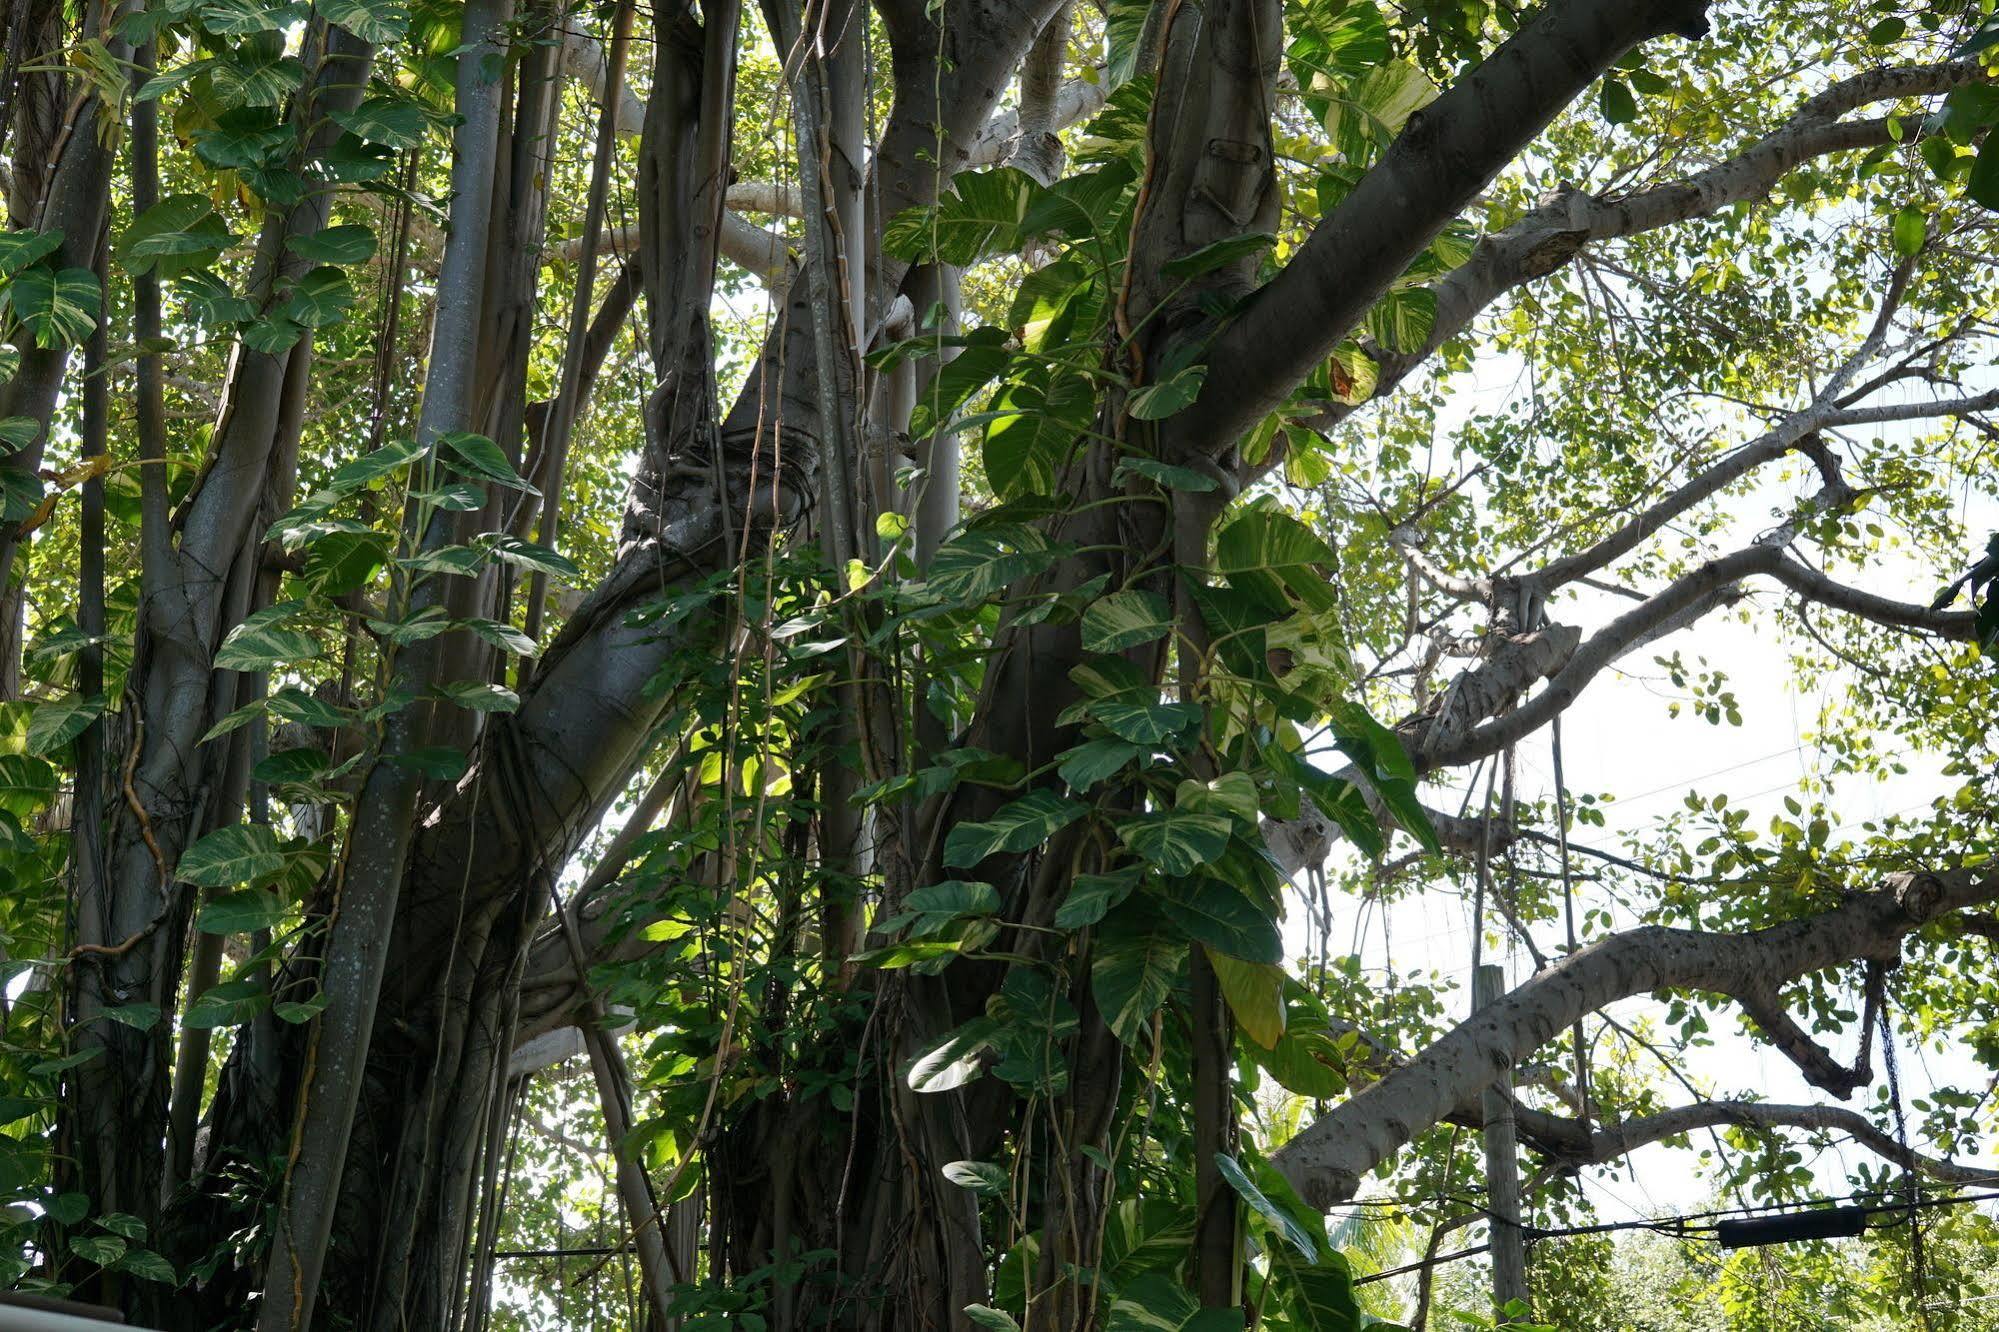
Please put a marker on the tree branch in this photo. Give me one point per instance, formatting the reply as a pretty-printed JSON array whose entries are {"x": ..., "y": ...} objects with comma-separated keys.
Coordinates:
[
  {"x": 1328, "y": 1158},
  {"x": 1550, "y": 237},
  {"x": 1446, "y": 155}
]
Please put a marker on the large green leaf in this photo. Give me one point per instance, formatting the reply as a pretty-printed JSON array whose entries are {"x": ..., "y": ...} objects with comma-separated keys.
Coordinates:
[
  {"x": 229, "y": 1004},
  {"x": 179, "y": 232},
  {"x": 258, "y": 79},
  {"x": 977, "y": 363},
  {"x": 378, "y": 22},
  {"x": 1280, "y": 1221},
  {"x": 1203, "y": 907},
  {"x": 954, "y": 1060},
  {"x": 1018, "y": 827},
  {"x": 241, "y": 912},
  {"x": 1091, "y": 896},
  {"x": 1155, "y": 1303},
  {"x": 262, "y": 641},
  {"x": 1032, "y": 428},
  {"x": 1255, "y": 994},
  {"x": 241, "y": 853},
  {"x": 349, "y": 244},
  {"x": 1177, "y": 841},
  {"x": 58, "y": 306},
  {"x": 1366, "y": 113},
  {"x": 1273, "y": 557},
  {"x": 27, "y": 784},
  {"x": 391, "y": 121},
  {"x": 934, "y": 906},
  {"x": 18, "y": 249},
  {"x": 1132, "y": 969},
  {"x": 323, "y": 296},
  {"x": 1125, "y": 619},
  {"x": 984, "y": 561},
  {"x": 979, "y": 216},
  {"x": 1146, "y": 722},
  {"x": 59, "y": 721},
  {"x": 1092, "y": 761}
]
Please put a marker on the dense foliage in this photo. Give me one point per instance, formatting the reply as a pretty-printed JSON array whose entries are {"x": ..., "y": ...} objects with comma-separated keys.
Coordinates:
[{"x": 677, "y": 666}]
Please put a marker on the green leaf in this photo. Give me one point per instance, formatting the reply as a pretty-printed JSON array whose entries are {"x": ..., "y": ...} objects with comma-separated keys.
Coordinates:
[
  {"x": 1132, "y": 970},
  {"x": 1206, "y": 909},
  {"x": 1146, "y": 723},
  {"x": 242, "y": 853},
  {"x": 1090, "y": 762},
  {"x": 1177, "y": 841},
  {"x": 229, "y": 1004},
  {"x": 290, "y": 765},
  {"x": 529, "y": 555},
  {"x": 1401, "y": 321},
  {"x": 27, "y": 784},
  {"x": 241, "y": 912},
  {"x": 391, "y": 121},
  {"x": 1032, "y": 426},
  {"x": 480, "y": 696},
  {"x": 457, "y": 497},
  {"x": 141, "y": 1017},
  {"x": 323, "y": 296},
  {"x": 1983, "y": 182},
  {"x": 181, "y": 227},
  {"x": 978, "y": 564},
  {"x": 1910, "y": 228},
  {"x": 56, "y": 723},
  {"x": 261, "y": 80},
  {"x": 1273, "y": 557},
  {"x": 246, "y": 18},
  {"x": 984, "y": 1315},
  {"x": 503, "y": 636},
  {"x": 262, "y": 642},
  {"x": 58, "y": 306},
  {"x": 102, "y": 1250},
  {"x": 986, "y": 1178},
  {"x": 18, "y": 249},
  {"x": 393, "y": 456},
  {"x": 1218, "y": 254},
  {"x": 1092, "y": 896},
  {"x": 1306, "y": 1062},
  {"x": 1619, "y": 107},
  {"x": 475, "y": 455},
  {"x": 1125, "y": 619},
  {"x": 1255, "y": 994},
  {"x": 1371, "y": 110},
  {"x": 932, "y": 907},
  {"x": 953, "y": 1061},
  {"x": 1156, "y": 402},
  {"x": 1281, "y": 1223},
  {"x": 68, "y": 1209},
  {"x": 1319, "y": 1297},
  {"x": 981, "y": 358},
  {"x": 377, "y": 22},
  {"x": 979, "y": 216},
  {"x": 18, "y": 432},
  {"x": 1888, "y": 30},
  {"x": 341, "y": 562},
  {"x": 1169, "y": 475},
  {"x": 437, "y": 762},
  {"x": 296, "y": 1011},
  {"x": 1155, "y": 1303},
  {"x": 350, "y": 244},
  {"x": 1016, "y": 828},
  {"x": 148, "y": 1266}
]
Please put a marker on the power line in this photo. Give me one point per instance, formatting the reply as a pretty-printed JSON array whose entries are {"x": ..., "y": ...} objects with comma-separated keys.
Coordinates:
[{"x": 1695, "y": 1225}]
